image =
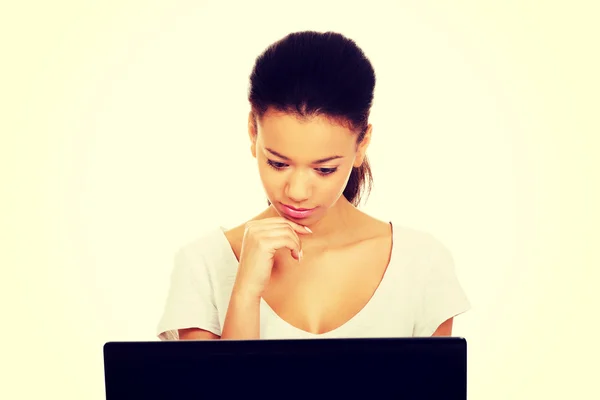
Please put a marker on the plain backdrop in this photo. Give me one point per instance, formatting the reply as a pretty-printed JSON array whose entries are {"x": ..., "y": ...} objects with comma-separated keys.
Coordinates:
[{"x": 123, "y": 136}]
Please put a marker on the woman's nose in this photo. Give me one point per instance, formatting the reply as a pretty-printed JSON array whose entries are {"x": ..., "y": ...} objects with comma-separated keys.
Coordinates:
[{"x": 298, "y": 188}]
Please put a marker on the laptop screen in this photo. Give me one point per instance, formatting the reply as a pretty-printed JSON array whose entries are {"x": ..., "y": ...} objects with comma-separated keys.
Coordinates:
[{"x": 406, "y": 368}]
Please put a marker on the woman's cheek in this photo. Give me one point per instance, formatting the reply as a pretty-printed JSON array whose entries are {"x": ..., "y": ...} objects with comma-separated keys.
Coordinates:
[{"x": 270, "y": 178}]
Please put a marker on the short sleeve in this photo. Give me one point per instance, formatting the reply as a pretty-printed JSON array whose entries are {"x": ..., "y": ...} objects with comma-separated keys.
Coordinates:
[
  {"x": 442, "y": 294},
  {"x": 190, "y": 301}
]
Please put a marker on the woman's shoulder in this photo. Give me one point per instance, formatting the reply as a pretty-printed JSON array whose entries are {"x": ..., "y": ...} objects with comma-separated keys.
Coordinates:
[
  {"x": 209, "y": 246},
  {"x": 219, "y": 240},
  {"x": 408, "y": 241},
  {"x": 234, "y": 238},
  {"x": 415, "y": 237},
  {"x": 370, "y": 226}
]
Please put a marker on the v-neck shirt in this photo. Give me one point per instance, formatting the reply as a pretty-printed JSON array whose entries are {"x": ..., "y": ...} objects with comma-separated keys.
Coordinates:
[{"x": 419, "y": 291}]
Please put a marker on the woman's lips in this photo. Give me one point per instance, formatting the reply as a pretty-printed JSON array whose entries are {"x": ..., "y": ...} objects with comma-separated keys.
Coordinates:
[{"x": 297, "y": 213}]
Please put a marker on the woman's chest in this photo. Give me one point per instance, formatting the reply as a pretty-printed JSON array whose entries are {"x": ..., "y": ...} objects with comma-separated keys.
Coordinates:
[{"x": 326, "y": 290}]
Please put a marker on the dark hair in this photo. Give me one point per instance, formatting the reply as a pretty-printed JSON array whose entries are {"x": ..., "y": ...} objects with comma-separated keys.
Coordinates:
[{"x": 310, "y": 74}]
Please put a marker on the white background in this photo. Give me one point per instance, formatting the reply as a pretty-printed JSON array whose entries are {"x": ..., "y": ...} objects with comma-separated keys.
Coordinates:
[{"x": 124, "y": 136}]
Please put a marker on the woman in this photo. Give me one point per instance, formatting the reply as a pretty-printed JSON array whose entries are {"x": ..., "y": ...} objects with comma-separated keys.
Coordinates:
[{"x": 311, "y": 265}]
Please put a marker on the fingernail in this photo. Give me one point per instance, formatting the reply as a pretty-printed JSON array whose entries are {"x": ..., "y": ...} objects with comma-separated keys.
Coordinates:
[
  {"x": 308, "y": 229},
  {"x": 300, "y": 256}
]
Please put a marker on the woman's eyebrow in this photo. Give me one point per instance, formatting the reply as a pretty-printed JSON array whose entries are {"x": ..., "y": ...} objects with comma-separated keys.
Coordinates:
[{"x": 319, "y": 161}]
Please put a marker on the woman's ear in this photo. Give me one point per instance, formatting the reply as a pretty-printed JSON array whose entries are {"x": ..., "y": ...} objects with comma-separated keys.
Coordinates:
[
  {"x": 362, "y": 147},
  {"x": 252, "y": 132}
]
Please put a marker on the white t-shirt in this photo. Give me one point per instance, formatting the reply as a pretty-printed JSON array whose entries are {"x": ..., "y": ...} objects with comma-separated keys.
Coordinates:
[{"x": 418, "y": 292}]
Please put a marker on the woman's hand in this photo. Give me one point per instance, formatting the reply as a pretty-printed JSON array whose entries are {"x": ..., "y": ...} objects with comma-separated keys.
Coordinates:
[{"x": 262, "y": 238}]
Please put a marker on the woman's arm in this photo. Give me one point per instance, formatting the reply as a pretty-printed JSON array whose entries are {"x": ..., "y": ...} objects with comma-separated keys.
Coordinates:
[
  {"x": 243, "y": 317},
  {"x": 196, "y": 334},
  {"x": 445, "y": 329},
  {"x": 241, "y": 321}
]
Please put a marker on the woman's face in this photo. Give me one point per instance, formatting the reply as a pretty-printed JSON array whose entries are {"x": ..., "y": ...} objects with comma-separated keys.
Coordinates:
[{"x": 304, "y": 165}]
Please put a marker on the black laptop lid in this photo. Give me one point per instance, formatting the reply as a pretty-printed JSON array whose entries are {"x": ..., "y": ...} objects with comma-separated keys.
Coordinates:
[{"x": 407, "y": 368}]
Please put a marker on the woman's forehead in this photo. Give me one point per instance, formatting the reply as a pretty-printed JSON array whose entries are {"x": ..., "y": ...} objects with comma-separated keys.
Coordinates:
[{"x": 305, "y": 139}]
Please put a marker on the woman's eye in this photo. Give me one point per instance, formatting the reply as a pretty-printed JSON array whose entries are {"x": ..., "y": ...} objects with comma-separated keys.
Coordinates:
[
  {"x": 276, "y": 165},
  {"x": 279, "y": 166},
  {"x": 326, "y": 171}
]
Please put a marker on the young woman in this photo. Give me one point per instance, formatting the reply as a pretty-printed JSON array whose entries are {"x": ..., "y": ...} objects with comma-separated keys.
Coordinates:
[{"x": 311, "y": 265}]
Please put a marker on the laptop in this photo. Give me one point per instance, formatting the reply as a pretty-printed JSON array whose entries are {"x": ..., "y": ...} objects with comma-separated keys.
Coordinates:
[{"x": 383, "y": 368}]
